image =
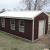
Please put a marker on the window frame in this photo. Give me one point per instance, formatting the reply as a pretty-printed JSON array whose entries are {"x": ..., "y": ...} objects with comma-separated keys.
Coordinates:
[
  {"x": 3, "y": 22},
  {"x": 21, "y": 27},
  {"x": 12, "y": 25}
]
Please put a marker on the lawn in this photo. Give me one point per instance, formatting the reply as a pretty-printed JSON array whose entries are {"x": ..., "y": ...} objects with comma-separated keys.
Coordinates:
[{"x": 10, "y": 42}]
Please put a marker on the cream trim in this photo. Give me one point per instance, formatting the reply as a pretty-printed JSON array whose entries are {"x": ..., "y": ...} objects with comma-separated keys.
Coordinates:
[{"x": 33, "y": 31}]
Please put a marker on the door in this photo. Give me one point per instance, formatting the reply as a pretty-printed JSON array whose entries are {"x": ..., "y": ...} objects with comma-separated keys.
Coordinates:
[{"x": 41, "y": 31}]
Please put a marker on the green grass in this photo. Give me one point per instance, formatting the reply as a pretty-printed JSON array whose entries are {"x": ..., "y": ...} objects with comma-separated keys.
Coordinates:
[{"x": 8, "y": 42}]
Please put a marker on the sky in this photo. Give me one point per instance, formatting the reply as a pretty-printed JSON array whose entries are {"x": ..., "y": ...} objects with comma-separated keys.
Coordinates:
[
  {"x": 47, "y": 6},
  {"x": 10, "y": 4}
]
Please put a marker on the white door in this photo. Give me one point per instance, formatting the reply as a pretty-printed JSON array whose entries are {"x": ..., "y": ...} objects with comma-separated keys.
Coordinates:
[{"x": 41, "y": 28}]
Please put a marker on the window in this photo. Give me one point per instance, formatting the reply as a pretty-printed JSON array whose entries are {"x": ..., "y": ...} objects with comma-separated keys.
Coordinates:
[
  {"x": 12, "y": 24},
  {"x": 21, "y": 25},
  {"x": 3, "y": 22}
]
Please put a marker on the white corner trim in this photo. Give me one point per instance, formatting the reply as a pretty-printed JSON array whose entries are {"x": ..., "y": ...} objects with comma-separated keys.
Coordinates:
[{"x": 33, "y": 31}]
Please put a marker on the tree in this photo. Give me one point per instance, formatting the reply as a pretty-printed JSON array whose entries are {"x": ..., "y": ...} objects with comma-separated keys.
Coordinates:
[
  {"x": 38, "y": 4},
  {"x": 3, "y": 10},
  {"x": 28, "y": 4}
]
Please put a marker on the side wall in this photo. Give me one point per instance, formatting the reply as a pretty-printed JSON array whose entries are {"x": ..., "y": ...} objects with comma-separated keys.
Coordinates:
[
  {"x": 27, "y": 30},
  {"x": 42, "y": 16}
]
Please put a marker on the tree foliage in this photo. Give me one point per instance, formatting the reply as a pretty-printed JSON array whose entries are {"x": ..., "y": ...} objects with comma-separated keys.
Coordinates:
[
  {"x": 38, "y": 4},
  {"x": 28, "y": 4}
]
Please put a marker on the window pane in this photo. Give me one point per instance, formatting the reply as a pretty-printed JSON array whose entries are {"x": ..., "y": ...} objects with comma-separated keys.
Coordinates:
[
  {"x": 21, "y": 25},
  {"x": 22, "y": 22},
  {"x": 12, "y": 24},
  {"x": 3, "y": 22},
  {"x": 12, "y": 21}
]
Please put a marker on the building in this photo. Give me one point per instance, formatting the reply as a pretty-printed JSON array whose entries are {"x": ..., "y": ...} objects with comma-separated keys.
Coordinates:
[{"x": 31, "y": 25}]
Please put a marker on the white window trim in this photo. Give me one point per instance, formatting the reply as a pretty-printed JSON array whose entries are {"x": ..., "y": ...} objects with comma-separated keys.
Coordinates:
[
  {"x": 3, "y": 22},
  {"x": 12, "y": 26},
  {"x": 21, "y": 28}
]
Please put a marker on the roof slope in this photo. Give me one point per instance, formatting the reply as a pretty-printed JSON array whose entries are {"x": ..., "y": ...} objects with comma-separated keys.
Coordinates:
[{"x": 20, "y": 14}]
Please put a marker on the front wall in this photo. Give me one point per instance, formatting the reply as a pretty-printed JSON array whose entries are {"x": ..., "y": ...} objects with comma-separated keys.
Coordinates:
[
  {"x": 42, "y": 16},
  {"x": 28, "y": 28}
]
